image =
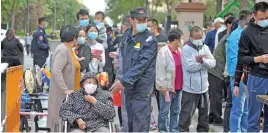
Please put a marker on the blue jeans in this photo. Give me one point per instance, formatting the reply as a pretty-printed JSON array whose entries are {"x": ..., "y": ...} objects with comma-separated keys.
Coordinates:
[
  {"x": 174, "y": 107},
  {"x": 239, "y": 111},
  {"x": 257, "y": 86}
]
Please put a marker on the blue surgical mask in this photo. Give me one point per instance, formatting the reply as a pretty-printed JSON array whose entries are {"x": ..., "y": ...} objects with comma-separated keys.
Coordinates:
[
  {"x": 141, "y": 27},
  {"x": 97, "y": 22},
  {"x": 84, "y": 23},
  {"x": 92, "y": 35},
  {"x": 81, "y": 40},
  {"x": 263, "y": 23}
]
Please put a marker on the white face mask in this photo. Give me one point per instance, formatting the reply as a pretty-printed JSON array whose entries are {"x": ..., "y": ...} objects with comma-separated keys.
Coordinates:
[
  {"x": 90, "y": 88},
  {"x": 198, "y": 42}
]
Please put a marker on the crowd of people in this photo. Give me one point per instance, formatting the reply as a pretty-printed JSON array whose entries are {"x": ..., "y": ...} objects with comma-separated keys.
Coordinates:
[{"x": 228, "y": 63}]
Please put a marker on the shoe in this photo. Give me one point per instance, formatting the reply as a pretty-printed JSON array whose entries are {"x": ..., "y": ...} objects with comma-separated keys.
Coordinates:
[
  {"x": 153, "y": 127},
  {"x": 210, "y": 120},
  {"x": 218, "y": 123}
]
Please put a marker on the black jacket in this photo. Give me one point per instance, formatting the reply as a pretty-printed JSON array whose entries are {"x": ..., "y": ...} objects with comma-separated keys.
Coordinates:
[
  {"x": 12, "y": 48},
  {"x": 84, "y": 51},
  {"x": 253, "y": 42}
]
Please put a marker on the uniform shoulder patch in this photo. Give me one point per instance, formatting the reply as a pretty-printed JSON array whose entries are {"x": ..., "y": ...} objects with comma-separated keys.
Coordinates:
[{"x": 149, "y": 39}]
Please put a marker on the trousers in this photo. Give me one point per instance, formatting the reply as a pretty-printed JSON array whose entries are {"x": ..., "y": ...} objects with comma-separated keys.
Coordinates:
[{"x": 138, "y": 112}]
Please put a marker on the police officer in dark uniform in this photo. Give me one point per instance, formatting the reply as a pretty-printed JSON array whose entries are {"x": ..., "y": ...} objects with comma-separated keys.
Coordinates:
[
  {"x": 138, "y": 50},
  {"x": 39, "y": 46}
]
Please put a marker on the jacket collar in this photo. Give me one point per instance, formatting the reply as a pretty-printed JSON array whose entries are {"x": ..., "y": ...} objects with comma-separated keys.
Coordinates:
[
  {"x": 169, "y": 52},
  {"x": 190, "y": 43}
]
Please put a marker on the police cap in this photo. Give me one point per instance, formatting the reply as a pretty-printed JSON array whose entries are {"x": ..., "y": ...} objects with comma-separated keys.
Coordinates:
[
  {"x": 41, "y": 19},
  {"x": 138, "y": 13}
]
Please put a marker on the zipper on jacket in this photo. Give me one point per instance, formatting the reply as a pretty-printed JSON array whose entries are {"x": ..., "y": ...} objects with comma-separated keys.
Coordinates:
[
  {"x": 190, "y": 81},
  {"x": 201, "y": 81}
]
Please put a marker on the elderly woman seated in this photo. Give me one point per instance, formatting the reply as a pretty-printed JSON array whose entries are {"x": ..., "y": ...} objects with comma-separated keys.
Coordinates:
[{"x": 89, "y": 109}]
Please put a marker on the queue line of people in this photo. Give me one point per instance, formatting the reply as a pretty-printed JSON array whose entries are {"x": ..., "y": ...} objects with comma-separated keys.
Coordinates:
[{"x": 181, "y": 74}]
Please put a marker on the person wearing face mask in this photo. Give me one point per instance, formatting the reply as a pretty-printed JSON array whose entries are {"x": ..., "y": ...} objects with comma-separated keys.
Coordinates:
[
  {"x": 83, "y": 51},
  {"x": 83, "y": 19},
  {"x": 239, "y": 110},
  {"x": 169, "y": 81},
  {"x": 196, "y": 60},
  {"x": 39, "y": 45},
  {"x": 65, "y": 74},
  {"x": 98, "y": 61},
  {"x": 99, "y": 21},
  {"x": 97, "y": 107},
  {"x": 138, "y": 50},
  {"x": 253, "y": 51}
]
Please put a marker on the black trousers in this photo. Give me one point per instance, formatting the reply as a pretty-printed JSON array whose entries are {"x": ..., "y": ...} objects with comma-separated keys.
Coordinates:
[
  {"x": 28, "y": 46},
  {"x": 228, "y": 107},
  {"x": 40, "y": 61},
  {"x": 189, "y": 104},
  {"x": 216, "y": 86}
]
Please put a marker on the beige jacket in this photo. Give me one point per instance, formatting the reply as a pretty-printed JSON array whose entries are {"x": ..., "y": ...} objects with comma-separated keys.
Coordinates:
[
  {"x": 62, "y": 78},
  {"x": 165, "y": 69}
]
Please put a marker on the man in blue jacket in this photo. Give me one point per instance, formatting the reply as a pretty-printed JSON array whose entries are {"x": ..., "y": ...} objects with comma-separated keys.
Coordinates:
[
  {"x": 239, "y": 111},
  {"x": 138, "y": 50}
]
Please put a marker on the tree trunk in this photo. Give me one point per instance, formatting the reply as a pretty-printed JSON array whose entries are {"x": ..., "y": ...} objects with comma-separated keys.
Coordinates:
[
  {"x": 168, "y": 7},
  {"x": 13, "y": 20},
  {"x": 244, "y": 4},
  {"x": 219, "y": 6}
]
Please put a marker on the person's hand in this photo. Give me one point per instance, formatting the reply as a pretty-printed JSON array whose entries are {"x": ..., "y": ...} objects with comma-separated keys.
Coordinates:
[
  {"x": 117, "y": 86},
  {"x": 199, "y": 58},
  {"x": 81, "y": 124},
  {"x": 163, "y": 91},
  {"x": 99, "y": 58},
  {"x": 261, "y": 59},
  {"x": 68, "y": 91},
  {"x": 113, "y": 54},
  {"x": 82, "y": 58},
  {"x": 236, "y": 91},
  {"x": 90, "y": 99},
  {"x": 265, "y": 58}
]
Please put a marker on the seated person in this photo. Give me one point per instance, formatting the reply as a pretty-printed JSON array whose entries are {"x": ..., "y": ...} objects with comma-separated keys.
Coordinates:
[{"x": 90, "y": 108}]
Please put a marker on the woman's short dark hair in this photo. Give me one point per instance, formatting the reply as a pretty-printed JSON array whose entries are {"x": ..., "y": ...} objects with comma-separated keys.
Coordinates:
[
  {"x": 68, "y": 33},
  {"x": 229, "y": 20},
  {"x": 89, "y": 26},
  {"x": 174, "y": 34},
  {"x": 82, "y": 12}
]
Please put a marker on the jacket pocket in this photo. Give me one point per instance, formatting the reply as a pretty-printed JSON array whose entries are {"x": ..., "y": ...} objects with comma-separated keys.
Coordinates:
[{"x": 134, "y": 58}]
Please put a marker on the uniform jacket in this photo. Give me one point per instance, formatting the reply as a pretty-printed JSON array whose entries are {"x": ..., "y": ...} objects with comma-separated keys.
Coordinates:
[
  {"x": 39, "y": 46},
  {"x": 165, "y": 69},
  {"x": 62, "y": 78},
  {"x": 95, "y": 116},
  {"x": 138, "y": 58},
  {"x": 253, "y": 43},
  {"x": 195, "y": 75}
]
